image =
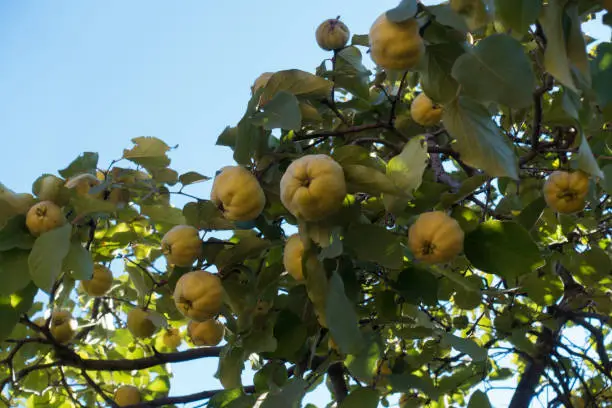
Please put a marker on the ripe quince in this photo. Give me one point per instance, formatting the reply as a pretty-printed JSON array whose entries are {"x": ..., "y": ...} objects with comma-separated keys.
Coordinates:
[
  {"x": 313, "y": 187},
  {"x": 199, "y": 295},
  {"x": 332, "y": 34},
  {"x": 44, "y": 216},
  {"x": 181, "y": 245},
  {"x": 435, "y": 238},
  {"x": 51, "y": 188},
  {"x": 565, "y": 192},
  {"x": 63, "y": 326},
  {"x": 100, "y": 282},
  {"x": 292, "y": 257},
  {"x": 238, "y": 194},
  {"x": 127, "y": 395},
  {"x": 172, "y": 338},
  {"x": 83, "y": 183},
  {"x": 139, "y": 323},
  {"x": 206, "y": 333},
  {"x": 424, "y": 111},
  {"x": 396, "y": 46}
]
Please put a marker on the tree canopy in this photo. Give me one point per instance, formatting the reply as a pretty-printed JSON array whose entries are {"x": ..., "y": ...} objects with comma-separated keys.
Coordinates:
[{"x": 425, "y": 229}]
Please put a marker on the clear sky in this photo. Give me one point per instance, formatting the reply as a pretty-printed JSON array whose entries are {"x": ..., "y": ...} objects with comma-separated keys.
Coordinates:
[{"x": 89, "y": 76}]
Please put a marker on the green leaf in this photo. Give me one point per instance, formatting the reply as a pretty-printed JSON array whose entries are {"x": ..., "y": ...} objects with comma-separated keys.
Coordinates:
[
  {"x": 363, "y": 364},
  {"x": 478, "y": 139},
  {"x": 192, "y": 177},
  {"x": 231, "y": 364},
  {"x": 576, "y": 44},
  {"x": 249, "y": 245},
  {"x": 89, "y": 204},
  {"x": 48, "y": 253},
  {"x": 85, "y": 163},
  {"x": 417, "y": 285},
  {"x": 341, "y": 318},
  {"x": 436, "y": 72},
  {"x": 163, "y": 213},
  {"x": 361, "y": 398},
  {"x": 479, "y": 400},
  {"x": 531, "y": 213},
  {"x": 251, "y": 140},
  {"x": 518, "y": 14},
  {"x": 14, "y": 273},
  {"x": 494, "y": 245},
  {"x": 12, "y": 306},
  {"x": 232, "y": 398},
  {"x": 78, "y": 262},
  {"x": 405, "y": 10},
  {"x": 467, "y": 346},
  {"x": 556, "y": 61},
  {"x": 228, "y": 137},
  {"x": 374, "y": 243},
  {"x": 283, "y": 111},
  {"x": 149, "y": 152},
  {"x": 497, "y": 70},
  {"x": 468, "y": 186},
  {"x": 206, "y": 216},
  {"x": 361, "y": 39},
  {"x": 349, "y": 72},
  {"x": 299, "y": 83},
  {"x": 445, "y": 15},
  {"x": 15, "y": 234},
  {"x": 601, "y": 69},
  {"x": 353, "y": 154},
  {"x": 585, "y": 160},
  {"x": 406, "y": 172},
  {"x": 409, "y": 382},
  {"x": 363, "y": 179},
  {"x": 544, "y": 289},
  {"x": 137, "y": 279},
  {"x": 290, "y": 396}
]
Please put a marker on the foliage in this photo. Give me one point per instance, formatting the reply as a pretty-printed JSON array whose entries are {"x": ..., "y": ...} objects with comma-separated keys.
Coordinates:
[{"x": 523, "y": 95}]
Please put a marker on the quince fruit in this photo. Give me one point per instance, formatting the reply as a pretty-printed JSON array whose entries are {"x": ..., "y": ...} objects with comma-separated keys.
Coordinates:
[
  {"x": 199, "y": 295},
  {"x": 62, "y": 326},
  {"x": 51, "y": 188},
  {"x": 127, "y": 395},
  {"x": 435, "y": 238},
  {"x": 207, "y": 333},
  {"x": 332, "y": 34},
  {"x": 292, "y": 257},
  {"x": 139, "y": 323},
  {"x": 566, "y": 192},
  {"x": 396, "y": 46},
  {"x": 83, "y": 183},
  {"x": 100, "y": 282},
  {"x": 313, "y": 187},
  {"x": 238, "y": 194},
  {"x": 181, "y": 245},
  {"x": 424, "y": 111},
  {"x": 172, "y": 338},
  {"x": 44, "y": 216}
]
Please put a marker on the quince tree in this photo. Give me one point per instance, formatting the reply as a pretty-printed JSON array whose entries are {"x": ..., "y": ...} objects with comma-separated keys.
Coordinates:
[{"x": 423, "y": 216}]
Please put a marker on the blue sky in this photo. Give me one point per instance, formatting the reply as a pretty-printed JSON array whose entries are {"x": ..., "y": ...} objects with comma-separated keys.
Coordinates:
[{"x": 89, "y": 76}]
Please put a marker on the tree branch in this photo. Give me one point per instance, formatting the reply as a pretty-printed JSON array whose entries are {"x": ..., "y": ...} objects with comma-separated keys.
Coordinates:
[
  {"x": 98, "y": 390},
  {"x": 184, "y": 399},
  {"x": 332, "y": 133},
  {"x": 338, "y": 383}
]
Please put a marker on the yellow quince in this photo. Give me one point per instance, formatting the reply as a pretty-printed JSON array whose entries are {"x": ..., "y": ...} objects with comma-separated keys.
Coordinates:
[
  {"x": 206, "y": 333},
  {"x": 424, "y": 111},
  {"x": 238, "y": 194},
  {"x": 139, "y": 323},
  {"x": 292, "y": 257},
  {"x": 44, "y": 216},
  {"x": 332, "y": 34},
  {"x": 181, "y": 245},
  {"x": 127, "y": 395},
  {"x": 565, "y": 192},
  {"x": 396, "y": 46},
  {"x": 62, "y": 326},
  {"x": 199, "y": 295},
  {"x": 100, "y": 282},
  {"x": 435, "y": 237},
  {"x": 313, "y": 187}
]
